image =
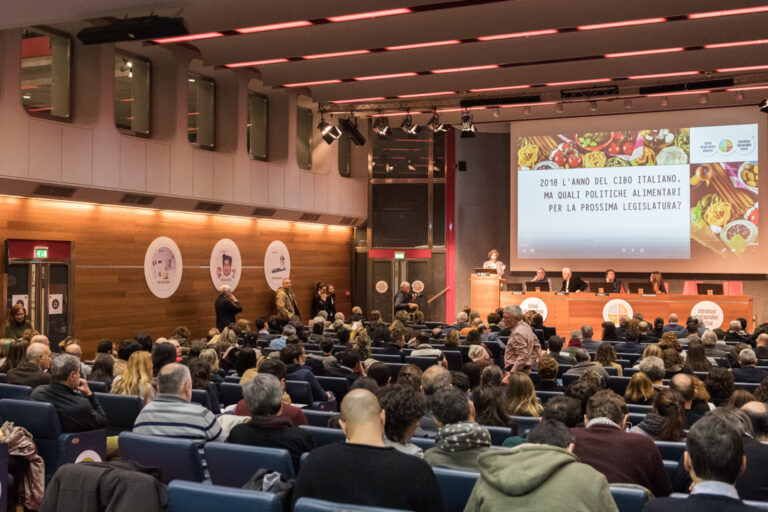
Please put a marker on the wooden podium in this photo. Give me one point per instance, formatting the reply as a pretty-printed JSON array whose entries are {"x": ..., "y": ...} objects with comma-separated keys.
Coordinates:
[{"x": 484, "y": 292}]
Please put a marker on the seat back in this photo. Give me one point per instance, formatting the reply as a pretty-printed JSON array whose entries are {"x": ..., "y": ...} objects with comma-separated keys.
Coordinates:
[
  {"x": 394, "y": 369},
  {"x": 15, "y": 391},
  {"x": 498, "y": 434},
  {"x": 315, "y": 505},
  {"x": 3, "y": 476},
  {"x": 748, "y": 386},
  {"x": 186, "y": 496},
  {"x": 388, "y": 358},
  {"x": 42, "y": 421},
  {"x": 177, "y": 459},
  {"x": 635, "y": 418},
  {"x": 618, "y": 384},
  {"x": 324, "y": 435},
  {"x": 425, "y": 443},
  {"x": 200, "y": 396},
  {"x": 670, "y": 450},
  {"x": 339, "y": 386},
  {"x": 630, "y": 498},
  {"x": 97, "y": 385},
  {"x": 733, "y": 288},
  {"x": 454, "y": 359},
  {"x": 456, "y": 486},
  {"x": 690, "y": 288},
  {"x": 640, "y": 409},
  {"x": 121, "y": 411},
  {"x": 421, "y": 362},
  {"x": 524, "y": 424},
  {"x": 569, "y": 378},
  {"x": 318, "y": 418},
  {"x": 230, "y": 392},
  {"x": 233, "y": 465},
  {"x": 234, "y": 379},
  {"x": 299, "y": 391}
]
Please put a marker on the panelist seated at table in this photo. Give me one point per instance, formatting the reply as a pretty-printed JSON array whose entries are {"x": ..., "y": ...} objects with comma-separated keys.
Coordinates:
[
  {"x": 612, "y": 285},
  {"x": 572, "y": 283},
  {"x": 541, "y": 277},
  {"x": 657, "y": 283}
]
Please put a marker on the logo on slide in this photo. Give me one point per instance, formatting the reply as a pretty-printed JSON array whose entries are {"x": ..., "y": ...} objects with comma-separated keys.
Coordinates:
[
  {"x": 534, "y": 304},
  {"x": 710, "y": 314},
  {"x": 88, "y": 456},
  {"x": 616, "y": 309},
  {"x": 725, "y": 146}
]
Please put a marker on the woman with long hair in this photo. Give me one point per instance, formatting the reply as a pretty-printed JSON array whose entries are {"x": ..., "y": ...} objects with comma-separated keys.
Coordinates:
[
  {"x": 489, "y": 408},
  {"x": 164, "y": 354},
  {"x": 17, "y": 354},
  {"x": 137, "y": 377},
  {"x": 650, "y": 350},
  {"x": 17, "y": 322},
  {"x": 609, "y": 332},
  {"x": 103, "y": 369},
  {"x": 319, "y": 299},
  {"x": 521, "y": 397},
  {"x": 606, "y": 356},
  {"x": 657, "y": 282},
  {"x": 666, "y": 420},
  {"x": 639, "y": 390}
]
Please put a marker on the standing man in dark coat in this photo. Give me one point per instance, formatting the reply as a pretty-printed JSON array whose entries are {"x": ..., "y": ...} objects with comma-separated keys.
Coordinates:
[{"x": 226, "y": 307}]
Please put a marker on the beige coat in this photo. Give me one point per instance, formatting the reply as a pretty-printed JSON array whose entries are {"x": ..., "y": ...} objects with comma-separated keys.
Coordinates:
[{"x": 284, "y": 302}]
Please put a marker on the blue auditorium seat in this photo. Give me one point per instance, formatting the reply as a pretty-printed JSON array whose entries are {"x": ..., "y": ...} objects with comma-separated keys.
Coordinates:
[
  {"x": 99, "y": 386},
  {"x": 187, "y": 496},
  {"x": 421, "y": 362},
  {"x": 425, "y": 443},
  {"x": 545, "y": 396},
  {"x": 323, "y": 435},
  {"x": 568, "y": 379},
  {"x": 299, "y": 391},
  {"x": 456, "y": 486},
  {"x": 630, "y": 498},
  {"x": 234, "y": 379},
  {"x": 454, "y": 358},
  {"x": 618, "y": 384},
  {"x": 339, "y": 386},
  {"x": 635, "y": 418},
  {"x": 318, "y": 418},
  {"x": 761, "y": 505},
  {"x": 315, "y": 505},
  {"x": 233, "y": 465},
  {"x": 177, "y": 459},
  {"x": 524, "y": 424},
  {"x": 200, "y": 396},
  {"x": 15, "y": 391},
  {"x": 54, "y": 446},
  {"x": 3, "y": 476},
  {"x": 498, "y": 434},
  {"x": 121, "y": 411},
  {"x": 387, "y": 358},
  {"x": 670, "y": 450},
  {"x": 640, "y": 409},
  {"x": 230, "y": 393},
  {"x": 394, "y": 369}
]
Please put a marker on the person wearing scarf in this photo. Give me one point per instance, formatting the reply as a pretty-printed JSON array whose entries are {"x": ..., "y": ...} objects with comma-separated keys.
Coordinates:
[{"x": 460, "y": 440}]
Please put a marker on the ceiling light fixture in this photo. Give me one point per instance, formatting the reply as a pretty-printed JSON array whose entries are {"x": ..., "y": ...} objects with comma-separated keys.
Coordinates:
[
  {"x": 526, "y": 111},
  {"x": 369, "y": 15},
  {"x": 663, "y": 75},
  {"x": 408, "y": 126},
  {"x": 468, "y": 68},
  {"x": 421, "y": 45},
  {"x": 559, "y": 108},
  {"x": 329, "y": 132},
  {"x": 384, "y": 77},
  {"x": 191, "y": 37},
  {"x": 627, "y": 103},
  {"x": 468, "y": 128},
  {"x": 381, "y": 126},
  {"x": 704, "y": 99},
  {"x": 335, "y": 54},
  {"x": 444, "y": 93},
  {"x": 349, "y": 126},
  {"x": 274, "y": 26},
  {"x": 729, "y": 12},
  {"x": 318, "y": 82},
  {"x": 644, "y": 52},
  {"x": 618, "y": 24},
  {"x": 434, "y": 124},
  {"x": 664, "y": 101},
  {"x": 254, "y": 63},
  {"x": 593, "y": 106},
  {"x": 515, "y": 35}
]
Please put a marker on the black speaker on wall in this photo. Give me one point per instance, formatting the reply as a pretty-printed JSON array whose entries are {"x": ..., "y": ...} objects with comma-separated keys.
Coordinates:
[{"x": 462, "y": 165}]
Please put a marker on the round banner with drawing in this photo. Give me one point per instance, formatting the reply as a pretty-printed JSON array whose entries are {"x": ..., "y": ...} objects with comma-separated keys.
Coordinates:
[
  {"x": 382, "y": 286},
  {"x": 535, "y": 304},
  {"x": 616, "y": 309},
  {"x": 417, "y": 286},
  {"x": 226, "y": 265},
  {"x": 162, "y": 267},
  {"x": 709, "y": 313},
  {"x": 277, "y": 264}
]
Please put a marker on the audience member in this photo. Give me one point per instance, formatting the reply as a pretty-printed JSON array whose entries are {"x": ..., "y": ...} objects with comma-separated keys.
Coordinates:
[
  {"x": 410, "y": 375},
  {"x": 32, "y": 371},
  {"x": 666, "y": 420},
  {"x": 163, "y": 354},
  {"x": 103, "y": 369},
  {"x": 553, "y": 478},
  {"x": 697, "y": 359},
  {"x": 460, "y": 440},
  {"x": 77, "y": 407},
  {"x": 17, "y": 354},
  {"x": 653, "y": 367},
  {"x": 363, "y": 471},
  {"x": 351, "y": 367},
  {"x": 684, "y": 385},
  {"x": 200, "y": 372},
  {"x": 609, "y": 332},
  {"x": 434, "y": 379},
  {"x": 172, "y": 414},
  {"x": 295, "y": 357},
  {"x": 583, "y": 365},
  {"x": 547, "y": 369},
  {"x": 404, "y": 407},
  {"x": 631, "y": 343},
  {"x": 565, "y": 409},
  {"x": 267, "y": 426},
  {"x": 276, "y": 368},
  {"x": 587, "y": 343},
  {"x": 604, "y": 445},
  {"x": 554, "y": 346},
  {"x": 640, "y": 390},
  {"x": 492, "y": 376},
  {"x": 521, "y": 397},
  {"x": 761, "y": 348},
  {"x": 720, "y": 385},
  {"x": 460, "y": 380},
  {"x": 523, "y": 347},
  {"x": 674, "y": 326},
  {"x": 124, "y": 351},
  {"x": 137, "y": 378},
  {"x": 582, "y": 390},
  {"x": 715, "y": 459},
  {"x": 739, "y": 398},
  {"x": 489, "y": 408},
  {"x": 747, "y": 371},
  {"x": 380, "y": 372},
  {"x": 606, "y": 357},
  {"x": 105, "y": 346},
  {"x": 709, "y": 340}
]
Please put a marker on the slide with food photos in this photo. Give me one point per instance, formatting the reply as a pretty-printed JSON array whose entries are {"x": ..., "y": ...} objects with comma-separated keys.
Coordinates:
[{"x": 638, "y": 193}]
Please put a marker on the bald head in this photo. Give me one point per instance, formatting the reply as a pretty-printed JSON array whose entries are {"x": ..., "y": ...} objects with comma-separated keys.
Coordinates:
[
  {"x": 762, "y": 340},
  {"x": 435, "y": 378},
  {"x": 758, "y": 416},
  {"x": 175, "y": 379},
  {"x": 40, "y": 338},
  {"x": 684, "y": 385},
  {"x": 361, "y": 415},
  {"x": 39, "y": 354},
  {"x": 75, "y": 350}
]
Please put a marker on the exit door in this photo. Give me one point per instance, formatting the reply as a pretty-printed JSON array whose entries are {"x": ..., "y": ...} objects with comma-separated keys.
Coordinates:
[
  {"x": 39, "y": 276},
  {"x": 385, "y": 278}
]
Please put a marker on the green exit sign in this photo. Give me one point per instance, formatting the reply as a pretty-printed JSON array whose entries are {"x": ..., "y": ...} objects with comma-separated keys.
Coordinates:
[
  {"x": 399, "y": 255},
  {"x": 41, "y": 252}
]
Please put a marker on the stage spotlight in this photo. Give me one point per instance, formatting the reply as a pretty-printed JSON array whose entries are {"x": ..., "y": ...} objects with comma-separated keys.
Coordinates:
[
  {"x": 329, "y": 132},
  {"x": 593, "y": 106},
  {"x": 704, "y": 99},
  {"x": 468, "y": 128},
  {"x": 559, "y": 108},
  {"x": 664, "y": 101},
  {"x": 764, "y": 106},
  {"x": 435, "y": 125},
  {"x": 408, "y": 126},
  {"x": 350, "y": 128},
  {"x": 527, "y": 111},
  {"x": 381, "y": 127},
  {"x": 627, "y": 103}
]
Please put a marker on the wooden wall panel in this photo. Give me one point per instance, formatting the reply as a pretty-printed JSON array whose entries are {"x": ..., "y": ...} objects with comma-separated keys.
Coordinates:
[{"x": 111, "y": 297}]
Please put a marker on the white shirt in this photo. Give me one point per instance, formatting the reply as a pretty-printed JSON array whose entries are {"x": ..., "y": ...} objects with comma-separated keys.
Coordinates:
[{"x": 716, "y": 488}]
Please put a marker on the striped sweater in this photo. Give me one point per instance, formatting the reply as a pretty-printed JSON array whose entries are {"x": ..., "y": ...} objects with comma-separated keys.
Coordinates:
[{"x": 172, "y": 416}]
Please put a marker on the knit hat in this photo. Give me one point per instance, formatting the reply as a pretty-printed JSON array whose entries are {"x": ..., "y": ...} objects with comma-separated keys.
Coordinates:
[{"x": 477, "y": 352}]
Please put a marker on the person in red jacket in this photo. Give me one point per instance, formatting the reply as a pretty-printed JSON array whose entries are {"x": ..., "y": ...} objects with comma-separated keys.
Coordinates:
[{"x": 622, "y": 457}]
